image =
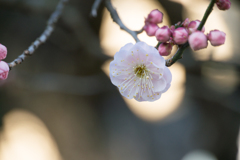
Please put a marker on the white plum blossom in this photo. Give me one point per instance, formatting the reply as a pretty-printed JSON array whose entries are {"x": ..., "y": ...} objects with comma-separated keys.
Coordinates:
[{"x": 140, "y": 72}]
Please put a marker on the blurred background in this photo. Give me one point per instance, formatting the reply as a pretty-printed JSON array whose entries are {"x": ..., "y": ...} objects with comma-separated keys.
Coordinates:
[{"x": 60, "y": 104}]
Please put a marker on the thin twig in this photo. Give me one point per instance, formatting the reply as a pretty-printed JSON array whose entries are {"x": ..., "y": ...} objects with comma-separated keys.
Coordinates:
[
  {"x": 45, "y": 35},
  {"x": 178, "y": 54},
  {"x": 95, "y": 7},
  {"x": 117, "y": 19}
]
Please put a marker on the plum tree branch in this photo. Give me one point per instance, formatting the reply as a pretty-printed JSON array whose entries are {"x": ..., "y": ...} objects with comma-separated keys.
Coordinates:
[
  {"x": 179, "y": 53},
  {"x": 95, "y": 7},
  {"x": 117, "y": 19},
  {"x": 43, "y": 37}
]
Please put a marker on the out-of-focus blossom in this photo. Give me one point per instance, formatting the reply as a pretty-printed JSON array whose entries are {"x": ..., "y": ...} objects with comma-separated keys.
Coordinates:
[
  {"x": 155, "y": 16},
  {"x": 172, "y": 28},
  {"x": 165, "y": 49},
  {"x": 197, "y": 40},
  {"x": 163, "y": 34},
  {"x": 4, "y": 69},
  {"x": 223, "y": 4},
  {"x": 140, "y": 72},
  {"x": 150, "y": 28},
  {"x": 216, "y": 37},
  {"x": 186, "y": 22},
  {"x": 3, "y": 52},
  {"x": 180, "y": 35},
  {"x": 193, "y": 25}
]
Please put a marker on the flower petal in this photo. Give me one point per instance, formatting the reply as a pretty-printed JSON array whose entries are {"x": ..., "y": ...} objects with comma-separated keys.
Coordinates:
[
  {"x": 127, "y": 47},
  {"x": 166, "y": 88},
  {"x": 130, "y": 89},
  {"x": 159, "y": 85},
  {"x": 149, "y": 95},
  {"x": 167, "y": 75}
]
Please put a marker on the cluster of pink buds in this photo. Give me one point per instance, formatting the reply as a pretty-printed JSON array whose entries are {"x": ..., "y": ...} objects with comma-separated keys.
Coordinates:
[
  {"x": 155, "y": 17},
  {"x": 180, "y": 33},
  {"x": 4, "y": 69}
]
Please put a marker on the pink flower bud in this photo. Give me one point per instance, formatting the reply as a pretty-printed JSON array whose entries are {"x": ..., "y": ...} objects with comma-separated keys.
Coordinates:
[
  {"x": 172, "y": 28},
  {"x": 186, "y": 22},
  {"x": 193, "y": 25},
  {"x": 216, "y": 37},
  {"x": 165, "y": 49},
  {"x": 155, "y": 16},
  {"x": 4, "y": 69},
  {"x": 223, "y": 4},
  {"x": 180, "y": 35},
  {"x": 3, "y": 52},
  {"x": 163, "y": 34},
  {"x": 197, "y": 40},
  {"x": 150, "y": 29}
]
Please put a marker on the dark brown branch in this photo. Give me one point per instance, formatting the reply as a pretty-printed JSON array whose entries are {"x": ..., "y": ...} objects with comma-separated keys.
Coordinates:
[
  {"x": 45, "y": 35},
  {"x": 117, "y": 19}
]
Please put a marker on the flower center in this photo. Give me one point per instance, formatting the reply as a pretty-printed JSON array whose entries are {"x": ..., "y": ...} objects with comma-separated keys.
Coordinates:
[{"x": 140, "y": 70}]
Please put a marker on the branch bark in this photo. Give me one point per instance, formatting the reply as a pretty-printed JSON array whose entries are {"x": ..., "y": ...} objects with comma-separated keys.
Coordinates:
[
  {"x": 117, "y": 19},
  {"x": 44, "y": 36},
  {"x": 95, "y": 7}
]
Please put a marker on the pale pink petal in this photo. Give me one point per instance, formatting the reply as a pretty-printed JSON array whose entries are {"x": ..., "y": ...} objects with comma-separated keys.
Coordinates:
[
  {"x": 159, "y": 85},
  {"x": 129, "y": 89},
  {"x": 151, "y": 96},
  {"x": 116, "y": 81},
  {"x": 167, "y": 75},
  {"x": 127, "y": 47},
  {"x": 166, "y": 88},
  {"x": 157, "y": 60}
]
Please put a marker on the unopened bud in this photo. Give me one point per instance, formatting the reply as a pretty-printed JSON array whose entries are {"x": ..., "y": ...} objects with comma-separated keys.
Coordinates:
[
  {"x": 165, "y": 49},
  {"x": 186, "y": 22},
  {"x": 180, "y": 35},
  {"x": 197, "y": 40},
  {"x": 4, "y": 69},
  {"x": 150, "y": 29},
  {"x": 216, "y": 37},
  {"x": 3, "y": 52},
  {"x": 193, "y": 25},
  {"x": 163, "y": 34},
  {"x": 155, "y": 16},
  {"x": 223, "y": 4}
]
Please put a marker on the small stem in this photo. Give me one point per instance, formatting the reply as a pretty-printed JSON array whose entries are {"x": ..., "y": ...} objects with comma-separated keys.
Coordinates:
[
  {"x": 43, "y": 37},
  {"x": 178, "y": 54},
  {"x": 95, "y": 7},
  {"x": 117, "y": 19},
  {"x": 158, "y": 45},
  {"x": 206, "y": 14}
]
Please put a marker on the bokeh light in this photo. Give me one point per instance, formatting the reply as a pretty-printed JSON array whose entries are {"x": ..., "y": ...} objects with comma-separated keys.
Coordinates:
[{"x": 25, "y": 137}]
